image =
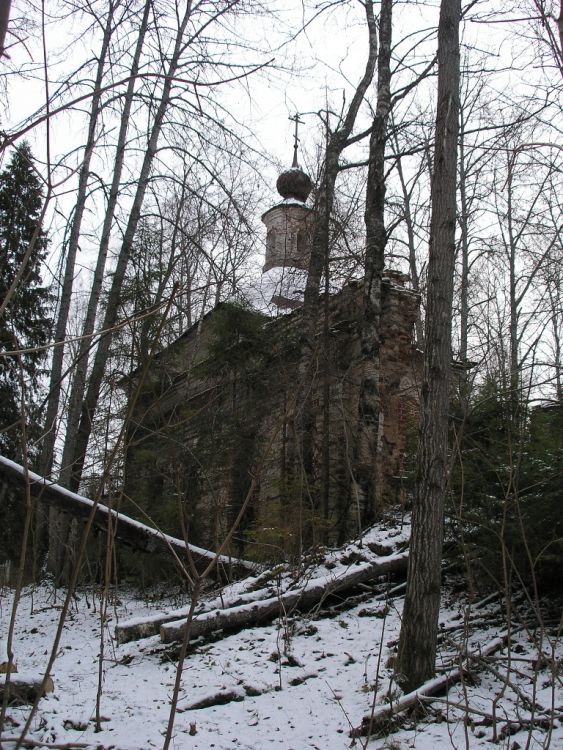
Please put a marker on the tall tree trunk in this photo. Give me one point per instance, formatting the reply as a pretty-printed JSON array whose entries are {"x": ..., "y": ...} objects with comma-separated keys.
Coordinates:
[
  {"x": 464, "y": 282},
  {"x": 417, "y": 643},
  {"x": 4, "y": 21},
  {"x": 81, "y": 367},
  {"x": 556, "y": 321},
  {"x": 110, "y": 318},
  {"x": 514, "y": 358},
  {"x": 51, "y": 527},
  {"x": 60, "y": 558},
  {"x": 56, "y": 377},
  {"x": 336, "y": 143},
  {"x": 409, "y": 222},
  {"x": 60, "y": 541},
  {"x": 369, "y": 489}
]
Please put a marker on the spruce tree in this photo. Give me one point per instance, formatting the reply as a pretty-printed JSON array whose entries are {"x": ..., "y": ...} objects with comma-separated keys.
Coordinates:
[{"x": 26, "y": 321}]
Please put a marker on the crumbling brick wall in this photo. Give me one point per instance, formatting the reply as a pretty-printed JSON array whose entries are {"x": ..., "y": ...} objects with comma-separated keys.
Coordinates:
[{"x": 202, "y": 439}]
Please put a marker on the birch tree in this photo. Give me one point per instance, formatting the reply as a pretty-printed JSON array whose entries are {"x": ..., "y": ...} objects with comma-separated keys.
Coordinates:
[{"x": 152, "y": 88}]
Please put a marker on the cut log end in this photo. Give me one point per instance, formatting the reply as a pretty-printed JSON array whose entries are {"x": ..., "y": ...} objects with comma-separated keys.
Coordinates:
[{"x": 22, "y": 689}]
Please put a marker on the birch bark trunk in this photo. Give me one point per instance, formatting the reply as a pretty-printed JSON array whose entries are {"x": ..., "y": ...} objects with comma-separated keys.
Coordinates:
[
  {"x": 89, "y": 404},
  {"x": 60, "y": 541}
]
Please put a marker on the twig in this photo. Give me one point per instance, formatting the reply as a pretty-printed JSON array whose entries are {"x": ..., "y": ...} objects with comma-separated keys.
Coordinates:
[{"x": 527, "y": 722}]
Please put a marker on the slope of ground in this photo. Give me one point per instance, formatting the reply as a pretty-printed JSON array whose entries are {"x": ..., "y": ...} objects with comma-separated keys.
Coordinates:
[{"x": 300, "y": 682}]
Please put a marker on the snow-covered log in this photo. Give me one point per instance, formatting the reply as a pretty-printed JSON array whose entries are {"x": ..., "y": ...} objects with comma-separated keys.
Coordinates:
[
  {"x": 24, "y": 688},
  {"x": 143, "y": 627},
  {"x": 133, "y": 629},
  {"x": 126, "y": 529},
  {"x": 136, "y": 628},
  {"x": 385, "y": 713},
  {"x": 301, "y": 598}
]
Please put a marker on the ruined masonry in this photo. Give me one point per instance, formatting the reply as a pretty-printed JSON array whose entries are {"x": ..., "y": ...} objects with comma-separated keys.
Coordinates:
[{"x": 216, "y": 417}]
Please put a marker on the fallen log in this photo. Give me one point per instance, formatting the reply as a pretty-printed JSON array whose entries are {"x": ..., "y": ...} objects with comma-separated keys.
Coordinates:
[
  {"x": 25, "y": 688},
  {"x": 126, "y": 529},
  {"x": 136, "y": 628},
  {"x": 381, "y": 716},
  {"x": 215, "y": 699},
  {"x": 304, "y": 598}
]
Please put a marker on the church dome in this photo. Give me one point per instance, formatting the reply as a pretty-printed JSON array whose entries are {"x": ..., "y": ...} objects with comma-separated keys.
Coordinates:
[{"x": 294, "y": 183}]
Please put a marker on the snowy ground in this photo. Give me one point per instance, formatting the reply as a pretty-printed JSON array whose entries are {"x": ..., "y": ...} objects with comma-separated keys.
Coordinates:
[{"x": 301, "y": 682}]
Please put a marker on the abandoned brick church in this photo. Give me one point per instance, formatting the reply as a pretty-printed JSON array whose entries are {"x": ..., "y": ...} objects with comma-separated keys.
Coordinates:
[{"x": 216, "y": 419}]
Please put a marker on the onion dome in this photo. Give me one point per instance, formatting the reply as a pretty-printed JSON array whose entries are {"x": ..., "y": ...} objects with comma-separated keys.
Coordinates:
[{"x": 294, "y": 183}]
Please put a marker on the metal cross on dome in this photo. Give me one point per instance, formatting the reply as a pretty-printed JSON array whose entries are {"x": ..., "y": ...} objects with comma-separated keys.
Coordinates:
[{"x": 295, "y": 118}]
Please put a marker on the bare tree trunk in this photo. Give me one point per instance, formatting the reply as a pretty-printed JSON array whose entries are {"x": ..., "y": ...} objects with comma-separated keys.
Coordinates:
[
  {"x": 4, "y": 20},
  {"x": 336, "y": 143},
  {"x": 304, "y": 598},
  {"x": 81, "y": 368},
  {"x": 90, "y": 402},
  {"x": 556, "y": 306},
  {"x": 417, "y": 643},
  {"x": 56, "y": 376},
  {"x": 514, "y": 358},
  {"x": 60, "y": 547},
  {"x": 48, "y": 523},
  {"x": 60, "y": 525},
  {"x": 464, "y": 283},
  {"x": 129, "y": 531},
  {"x": 376, "y": 240},
  {"x": 409, "y": 222}
]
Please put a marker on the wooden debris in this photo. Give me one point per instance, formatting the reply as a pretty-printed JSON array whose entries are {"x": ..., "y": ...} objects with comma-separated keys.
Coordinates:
[
  {"x": 135, "y": 629},
  {"x": 217, "y": 699},
  {"x": 383, "y": 715},
  {"x": 22, "y": 688},
  {"x": 303, "y": 599}
]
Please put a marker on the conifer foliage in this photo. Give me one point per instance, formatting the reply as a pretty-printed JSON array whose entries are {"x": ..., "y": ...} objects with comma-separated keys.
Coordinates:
[{"x": 26, "y": 321}]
